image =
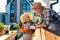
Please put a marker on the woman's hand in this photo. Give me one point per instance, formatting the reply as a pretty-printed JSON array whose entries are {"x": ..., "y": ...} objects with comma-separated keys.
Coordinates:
[{"x": 39, "y": 26}]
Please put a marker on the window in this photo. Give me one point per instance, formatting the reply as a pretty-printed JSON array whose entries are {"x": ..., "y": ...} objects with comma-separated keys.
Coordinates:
[
  {"x": 12, "y": 11},
  {"x": 24, "y": 10},
  {"x": 26, "y": 6},
  {"x": 8, "y": 1}
]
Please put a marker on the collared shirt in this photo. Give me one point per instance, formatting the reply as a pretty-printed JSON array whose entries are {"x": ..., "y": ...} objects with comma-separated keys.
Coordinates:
[{"x": 49, "y": 16}]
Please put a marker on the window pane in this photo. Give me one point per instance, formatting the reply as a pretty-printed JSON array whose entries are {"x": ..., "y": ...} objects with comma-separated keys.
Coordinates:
[
  {"x": 24, "y": 6},
  {"x": 28, "y": 6},
  {"x": 12, "y": 15},
  {"x": 13, "y": 3},
  {"x": 24, "y": 11},
  {"x": 28, "y": 10},
  {"x": 12, "y": 11},
  {"x": 12, "y": 7},
  {"x": 24, "y": 2}
]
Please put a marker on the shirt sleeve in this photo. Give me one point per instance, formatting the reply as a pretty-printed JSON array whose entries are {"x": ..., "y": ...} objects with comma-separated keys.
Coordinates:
[
  {"x": 47, "y": 20},
  {"x": 32, "y": 26},
  {"x": 55, "y": 17}
]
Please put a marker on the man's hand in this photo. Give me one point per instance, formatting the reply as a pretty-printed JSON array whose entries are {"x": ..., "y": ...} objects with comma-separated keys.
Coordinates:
[{"x": 40, "y": 26}]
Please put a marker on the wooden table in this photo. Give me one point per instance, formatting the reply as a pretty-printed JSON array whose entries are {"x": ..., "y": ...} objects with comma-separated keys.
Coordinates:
[
  {"x": 43, "y": 34},
  {"x": 10, "y": 36}
]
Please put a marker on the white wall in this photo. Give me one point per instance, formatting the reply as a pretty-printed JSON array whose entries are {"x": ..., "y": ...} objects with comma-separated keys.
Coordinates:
[
  {"x": 2, "y": 5},
  {"x": 59, "y": 5}
]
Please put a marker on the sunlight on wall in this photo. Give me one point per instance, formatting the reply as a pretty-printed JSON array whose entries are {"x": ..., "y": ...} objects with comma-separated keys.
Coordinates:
[{"x": 2, "y": 5}]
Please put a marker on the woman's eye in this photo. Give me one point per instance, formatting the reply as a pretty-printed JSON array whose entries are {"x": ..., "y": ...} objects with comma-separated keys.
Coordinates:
[{"x": 26, "y": 17}]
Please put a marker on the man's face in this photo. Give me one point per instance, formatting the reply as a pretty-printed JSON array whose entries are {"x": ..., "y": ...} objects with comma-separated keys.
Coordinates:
[{"x": 38, "y": 11}]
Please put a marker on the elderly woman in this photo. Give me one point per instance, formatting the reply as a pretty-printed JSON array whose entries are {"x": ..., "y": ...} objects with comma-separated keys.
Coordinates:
[{"x": 28, "y": 25}]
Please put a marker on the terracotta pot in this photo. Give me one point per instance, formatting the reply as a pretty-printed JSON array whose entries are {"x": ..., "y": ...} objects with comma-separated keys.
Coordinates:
[
  {"x": 1, "y": 32},
  {"x": 23, "y": 30}
]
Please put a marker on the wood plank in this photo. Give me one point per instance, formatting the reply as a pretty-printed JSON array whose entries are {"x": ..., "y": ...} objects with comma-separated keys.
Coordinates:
[
  {"x": 50, "y": 36},
  {"x": 38, "y": 34},
  {"x": 43, "y": 34},
  {"x": 12, "y": 36}
]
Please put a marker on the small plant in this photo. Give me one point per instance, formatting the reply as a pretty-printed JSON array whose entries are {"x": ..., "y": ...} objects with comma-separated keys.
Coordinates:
[
  {"x": 1, "y": 26},
  {"x": 15, "y": 27},
  {"x": 37, "y": 21}
]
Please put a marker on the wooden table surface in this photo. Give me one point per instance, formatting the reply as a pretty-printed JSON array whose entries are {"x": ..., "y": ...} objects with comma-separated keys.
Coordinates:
[{"x": 9, "y": 36}]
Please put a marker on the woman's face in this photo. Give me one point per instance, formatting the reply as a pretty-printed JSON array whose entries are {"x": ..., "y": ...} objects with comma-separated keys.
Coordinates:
[
  {"x": 26, "y": 18},
  {"x": 38, "y": 11}
]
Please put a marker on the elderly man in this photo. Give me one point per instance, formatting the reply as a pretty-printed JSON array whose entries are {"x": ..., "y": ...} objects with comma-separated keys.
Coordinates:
[{"x": 50, "y": 19}]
